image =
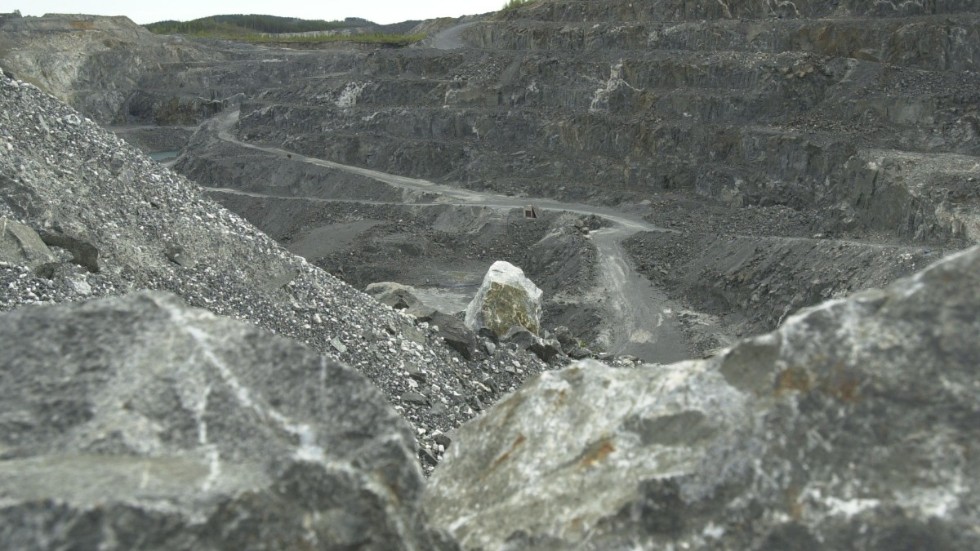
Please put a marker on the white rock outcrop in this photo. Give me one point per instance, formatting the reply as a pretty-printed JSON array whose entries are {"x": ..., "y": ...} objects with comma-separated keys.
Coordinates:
[{"x": 506, "y": 298}]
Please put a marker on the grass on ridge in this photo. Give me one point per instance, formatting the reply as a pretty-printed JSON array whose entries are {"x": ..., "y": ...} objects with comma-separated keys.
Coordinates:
[
  {"x": 365, "y": 38},
  {"x": 511, "y": 4},
  {"x": 267, "y": 29}
]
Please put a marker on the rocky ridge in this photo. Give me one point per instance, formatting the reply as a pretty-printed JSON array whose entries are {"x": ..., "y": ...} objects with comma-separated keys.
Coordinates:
[{"x": 86, "y": 190}]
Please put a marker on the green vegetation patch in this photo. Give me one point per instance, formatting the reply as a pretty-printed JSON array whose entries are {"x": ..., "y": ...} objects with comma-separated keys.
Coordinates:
[
  {"x": 512, "y": 4},
  {"x": 505, "y": 307},
  {"x": 246, "y": 24},
  {"x": 268, "y": 29}
]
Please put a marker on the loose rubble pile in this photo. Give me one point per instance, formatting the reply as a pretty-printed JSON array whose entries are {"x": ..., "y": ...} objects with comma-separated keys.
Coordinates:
[
  {"x": 88, "y": 195},
  {"x": 852, "y": 426},
  {"x": 140, "y": 423}
]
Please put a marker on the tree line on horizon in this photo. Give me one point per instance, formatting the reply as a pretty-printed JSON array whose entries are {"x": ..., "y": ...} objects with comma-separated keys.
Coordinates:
[
  {"x": 286, "y": 30},
  {"x": 245, "y": 24}
]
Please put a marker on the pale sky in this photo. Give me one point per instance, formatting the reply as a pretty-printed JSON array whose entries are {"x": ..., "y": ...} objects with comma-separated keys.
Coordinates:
[{"x": 379, "y": 11}]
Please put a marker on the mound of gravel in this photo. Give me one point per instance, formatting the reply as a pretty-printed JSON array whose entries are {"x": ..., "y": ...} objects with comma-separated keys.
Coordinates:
[{"x": 119, "y": 222}]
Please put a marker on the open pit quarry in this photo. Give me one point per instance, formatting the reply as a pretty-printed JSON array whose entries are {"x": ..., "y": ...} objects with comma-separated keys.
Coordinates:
[{"x": 237, "y": 282}]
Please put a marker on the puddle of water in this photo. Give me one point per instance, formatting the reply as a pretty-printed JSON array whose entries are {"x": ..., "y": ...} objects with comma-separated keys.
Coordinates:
[
  {"x": 164, "y": 156},
  {"x": 448, "y": 301}
]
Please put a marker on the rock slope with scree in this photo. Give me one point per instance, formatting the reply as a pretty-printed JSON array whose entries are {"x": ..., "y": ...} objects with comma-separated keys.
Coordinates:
[{"x": 117, "y": 222}]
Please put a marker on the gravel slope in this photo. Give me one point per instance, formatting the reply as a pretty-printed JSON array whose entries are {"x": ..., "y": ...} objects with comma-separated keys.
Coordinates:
[{"x": 65, "y": 176}]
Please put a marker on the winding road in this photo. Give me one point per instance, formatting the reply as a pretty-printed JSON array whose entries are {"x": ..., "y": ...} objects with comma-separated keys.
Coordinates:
[{"x": 637, "y": 321}]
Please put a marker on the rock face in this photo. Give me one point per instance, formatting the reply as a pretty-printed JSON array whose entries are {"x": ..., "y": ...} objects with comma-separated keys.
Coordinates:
[
  {"x": 94, "y": 63},
  {"x": 746, "y": 103},
  {"x": 140, "y": 423},
  {"x": 853, "y": 426},
  {"x": 505, "y": 299}
]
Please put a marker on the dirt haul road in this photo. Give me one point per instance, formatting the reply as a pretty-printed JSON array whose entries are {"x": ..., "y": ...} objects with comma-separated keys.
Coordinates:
[{"x": 638, "y": 320}]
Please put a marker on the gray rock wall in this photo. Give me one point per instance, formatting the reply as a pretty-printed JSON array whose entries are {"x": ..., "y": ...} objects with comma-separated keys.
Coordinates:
[
  {"x": 684, "y": 10},
  {"x": 610, "y": 105},
  {"x": 926, "y": 43}
]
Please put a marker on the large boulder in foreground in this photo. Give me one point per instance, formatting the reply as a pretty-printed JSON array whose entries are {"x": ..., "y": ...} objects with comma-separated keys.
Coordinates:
[
  {"x": 140, "y": 423},
  {"x": 505, "y": 299},
  {"x": 855, "y": 425}
]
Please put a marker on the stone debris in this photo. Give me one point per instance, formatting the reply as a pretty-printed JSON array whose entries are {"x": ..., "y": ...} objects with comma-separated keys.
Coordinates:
[
  {"x": 141, "y": 423},
  {"x": 83, "y": 253},
  {"x": 455, "y": 333},
  {"x": 19, "y": 244},
  {"x": 792, "y": 151},
  {"x": 852, "y": 426}
]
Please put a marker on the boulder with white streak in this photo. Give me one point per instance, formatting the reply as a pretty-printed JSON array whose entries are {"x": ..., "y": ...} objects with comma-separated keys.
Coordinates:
[{"x": 506, "y": 299}]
